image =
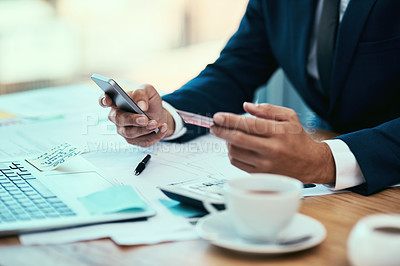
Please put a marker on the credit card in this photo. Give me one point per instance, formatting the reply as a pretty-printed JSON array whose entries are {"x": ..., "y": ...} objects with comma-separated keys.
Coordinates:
[{"x": 194, "y": 119}]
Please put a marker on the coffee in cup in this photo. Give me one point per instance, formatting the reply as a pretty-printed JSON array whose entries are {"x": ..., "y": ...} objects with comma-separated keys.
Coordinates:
[{"x": 261, "y": 206}]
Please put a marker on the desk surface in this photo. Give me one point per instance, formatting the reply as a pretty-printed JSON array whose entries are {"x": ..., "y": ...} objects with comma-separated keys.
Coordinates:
[{"x": 338, "y": 212}]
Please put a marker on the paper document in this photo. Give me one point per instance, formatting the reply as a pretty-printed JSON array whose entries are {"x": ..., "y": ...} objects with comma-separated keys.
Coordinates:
[{"x": 55, "y": 157}]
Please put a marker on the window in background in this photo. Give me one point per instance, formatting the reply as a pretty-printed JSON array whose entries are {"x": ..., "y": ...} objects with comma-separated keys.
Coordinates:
[{"x": 163, "y": 42}]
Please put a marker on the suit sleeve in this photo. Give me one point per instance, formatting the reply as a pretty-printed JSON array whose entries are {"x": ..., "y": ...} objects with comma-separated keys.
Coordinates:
[
  {"x": 377, "y": 151},
  {"x": 244, "y": 64}
]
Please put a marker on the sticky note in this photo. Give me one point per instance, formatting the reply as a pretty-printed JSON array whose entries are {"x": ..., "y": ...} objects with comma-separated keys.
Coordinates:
[
  {"x": 5, "y": 115},
  {"x": 180, "y": 209},
  {"x": 112, "y": 200},
  {"x": 55, "y": 157}
]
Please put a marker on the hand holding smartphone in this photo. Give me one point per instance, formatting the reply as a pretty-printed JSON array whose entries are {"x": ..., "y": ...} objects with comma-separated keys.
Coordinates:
[{"x": 118, "y": 95}]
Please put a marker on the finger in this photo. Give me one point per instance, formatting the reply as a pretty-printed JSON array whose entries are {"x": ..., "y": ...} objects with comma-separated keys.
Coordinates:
[
  {"x": 238, "y": 138},
  {"x": 269, "y": 111},
  {"x": 243, "y": 155},
  {"x": 149, "y": 139},
  {"x": 122, "y": 118},
  {"x": 247, "y": 124},
  {"x": 130, "y": 132},
  {"x": 243, "y": 166},
  {"x": 142, "y": 95},
  {"x": 105, "y": 101}
]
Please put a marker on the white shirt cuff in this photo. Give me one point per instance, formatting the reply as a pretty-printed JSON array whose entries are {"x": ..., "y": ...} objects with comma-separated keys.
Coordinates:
[
  {"x": 348, "y": 172},
  {"x": 180, "y": 128}
]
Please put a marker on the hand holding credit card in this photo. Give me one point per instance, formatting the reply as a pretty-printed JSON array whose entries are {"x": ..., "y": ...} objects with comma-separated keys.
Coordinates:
[{"x": 195, "y": 119}]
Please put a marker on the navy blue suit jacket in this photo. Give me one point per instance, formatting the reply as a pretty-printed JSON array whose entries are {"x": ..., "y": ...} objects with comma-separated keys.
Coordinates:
[{"x": 364, "y": 100}]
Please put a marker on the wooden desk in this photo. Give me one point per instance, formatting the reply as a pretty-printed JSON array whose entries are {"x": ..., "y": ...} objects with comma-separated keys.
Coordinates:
[{"x": 338, "y": 212}]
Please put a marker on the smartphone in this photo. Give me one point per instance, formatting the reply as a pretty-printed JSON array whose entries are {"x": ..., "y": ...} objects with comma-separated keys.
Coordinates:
[{"x": 117, "y": 94}]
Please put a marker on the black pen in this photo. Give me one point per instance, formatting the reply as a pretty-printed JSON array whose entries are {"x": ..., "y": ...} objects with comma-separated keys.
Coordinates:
[{"x": 140, "y": 167}]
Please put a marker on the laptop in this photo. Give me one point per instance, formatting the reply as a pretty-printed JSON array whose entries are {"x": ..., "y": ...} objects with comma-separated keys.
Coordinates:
[{"x": 32, "y": 200}]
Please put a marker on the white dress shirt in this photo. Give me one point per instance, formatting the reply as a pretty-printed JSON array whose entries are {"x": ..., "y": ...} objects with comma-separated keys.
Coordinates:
[{"x": 348, "y": 172}]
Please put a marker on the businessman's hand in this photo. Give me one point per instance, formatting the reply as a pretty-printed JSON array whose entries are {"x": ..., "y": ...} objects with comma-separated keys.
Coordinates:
[
  {"x": 274, "y": 142},
  {"x": 136, "y": 128}
]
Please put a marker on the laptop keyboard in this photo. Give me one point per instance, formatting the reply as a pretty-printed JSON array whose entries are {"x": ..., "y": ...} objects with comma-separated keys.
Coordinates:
[{"x": 25, "y": 198}]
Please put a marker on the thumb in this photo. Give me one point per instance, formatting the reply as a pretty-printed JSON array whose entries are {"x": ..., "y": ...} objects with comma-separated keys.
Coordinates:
[
  {"x": 142, "y": 105},
  {"x": 269, "y": 111},
  {"x": 140, "y": 98}
]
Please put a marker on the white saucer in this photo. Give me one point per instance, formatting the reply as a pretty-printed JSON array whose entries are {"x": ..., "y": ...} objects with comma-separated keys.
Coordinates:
[{"x": 218, "y": 229}]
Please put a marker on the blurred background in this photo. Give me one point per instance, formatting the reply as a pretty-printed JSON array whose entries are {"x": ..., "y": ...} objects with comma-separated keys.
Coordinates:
[
  {"x": 46, "y": 43},
  {"x": 163, "y": 42}
]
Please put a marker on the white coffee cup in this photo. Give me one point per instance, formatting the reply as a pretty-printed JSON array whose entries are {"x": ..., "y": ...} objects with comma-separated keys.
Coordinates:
[
  {"x": 261, "y": 206},
  {"x": 375, "y": 240}
]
